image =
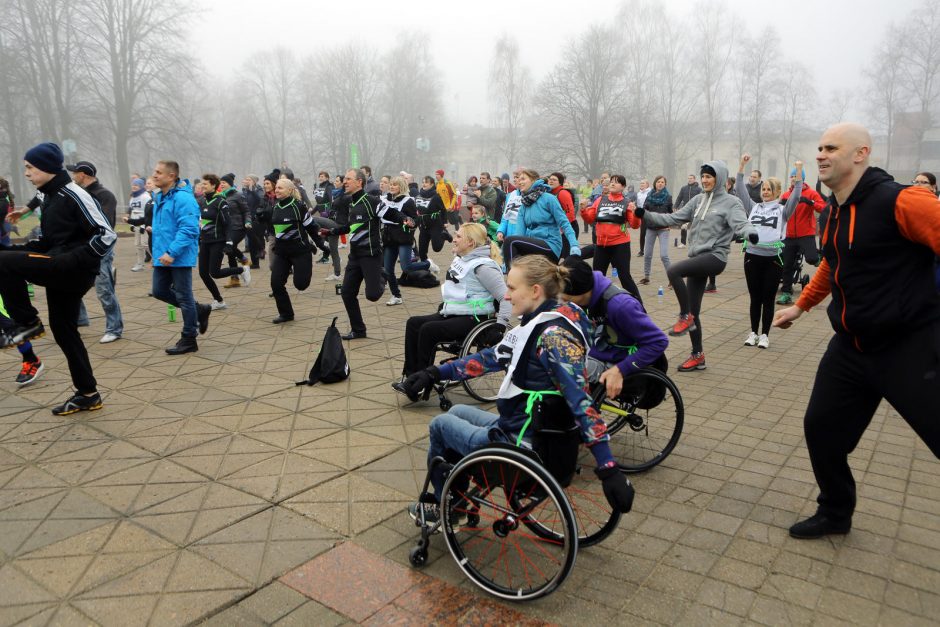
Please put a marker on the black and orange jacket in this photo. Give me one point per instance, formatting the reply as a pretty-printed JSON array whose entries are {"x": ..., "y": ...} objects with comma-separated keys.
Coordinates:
[{"x": 878, "y": 248}]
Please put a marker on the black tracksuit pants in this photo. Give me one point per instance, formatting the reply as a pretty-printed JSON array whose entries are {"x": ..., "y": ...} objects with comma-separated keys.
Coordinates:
[
  {"x": 423, "y": 333},
  {"x": 690, "y": 292},
  {"x": 358, "y": 269},
  {"x": 791, "y": 246},
  {"x": 66, "y": 282},
  {"x": 432, "y": 233},
  {"x": 619, "y": 257},
  {"x": 210, "y": 266},
  {"x": 848, "y": 388},
  {"x": 281, "y": 265}
]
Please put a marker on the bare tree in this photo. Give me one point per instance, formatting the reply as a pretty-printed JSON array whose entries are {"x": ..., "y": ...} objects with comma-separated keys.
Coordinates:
[
  {"x": 885, "y": 84},
  {"x": 580, "y": 107},
  {"x": 640, "y": 74},
  {"x": 922, "y": 66},
  {"x": 714, "y": 47},
  {"x": 797, "y": 98},
  {"x": 756, "y": 87},
  {"x": 273, "y": 74},
  {"x": 509, "y": 92}
]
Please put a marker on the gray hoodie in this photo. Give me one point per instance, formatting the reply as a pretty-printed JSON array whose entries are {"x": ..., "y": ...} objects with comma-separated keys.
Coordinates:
[{"x": 715, "y": 218}]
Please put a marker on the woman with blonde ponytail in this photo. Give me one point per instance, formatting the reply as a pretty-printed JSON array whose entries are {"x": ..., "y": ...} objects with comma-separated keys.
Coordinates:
[{"x": 544, "y": 359}]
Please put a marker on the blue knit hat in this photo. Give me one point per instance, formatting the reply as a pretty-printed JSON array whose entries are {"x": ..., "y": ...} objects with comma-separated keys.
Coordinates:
[{"x": 46, "y": 156}]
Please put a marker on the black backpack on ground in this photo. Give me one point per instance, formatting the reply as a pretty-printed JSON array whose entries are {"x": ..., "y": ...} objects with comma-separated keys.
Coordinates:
[
  {"x": 418, "y": 278},
  {"x": 331, "y": 365}
]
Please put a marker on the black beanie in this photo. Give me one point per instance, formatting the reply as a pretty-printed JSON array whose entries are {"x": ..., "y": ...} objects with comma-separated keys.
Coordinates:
[
  {"x": 273, "y": 176},
  {"x": 229, "y": 178},
  {"x": 707, "y": 169},
  {"x": 580, "y": 276},
  {"x": 46, "y": 156}
]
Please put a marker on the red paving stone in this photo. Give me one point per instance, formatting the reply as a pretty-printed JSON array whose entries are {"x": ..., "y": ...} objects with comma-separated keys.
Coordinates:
[{"x": 374, "y": 590}]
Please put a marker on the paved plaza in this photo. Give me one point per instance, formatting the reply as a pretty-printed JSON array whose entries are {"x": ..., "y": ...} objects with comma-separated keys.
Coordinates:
[{"x": 211, "y": 488}]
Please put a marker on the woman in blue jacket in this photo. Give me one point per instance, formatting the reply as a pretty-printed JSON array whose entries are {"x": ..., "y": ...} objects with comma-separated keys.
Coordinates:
[{"x": 542, "y": 226}]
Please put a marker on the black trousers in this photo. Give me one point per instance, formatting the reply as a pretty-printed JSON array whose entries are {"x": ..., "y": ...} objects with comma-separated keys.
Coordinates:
[
  {"x": 359, "y": 269},
  {"x": 577, "y": 229},
  {"x": 848, "y": 388},
  {"x": 619, "y": 256},
  {"x": 762, "y": 274},
  {"x": 423, "y": 333},
  {"x": 519, "y": 246},
  {"x": 281, "y": 265},
  {"x": 235, "y": 257},
  {"x": 66, "y": 278},
  {"x": 689, "y": 292},
  {"x": 433, "y": 233},
  {"x": 210, "y": 266},
  {"x": 642, "y": 238},
  {"x": 790, "y": 247},
  {"x": 256, "y": 243}
]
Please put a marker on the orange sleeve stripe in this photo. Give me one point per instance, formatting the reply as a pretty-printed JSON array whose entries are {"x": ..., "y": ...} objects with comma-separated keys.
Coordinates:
[
  {"x": 819, "y": 287},
  {"x": 917, "y": 212}
]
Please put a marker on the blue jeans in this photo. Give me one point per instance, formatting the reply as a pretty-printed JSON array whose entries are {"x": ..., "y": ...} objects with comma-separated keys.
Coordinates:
[
  {"x": 651, "y": 236},
  {"x": 463, "y": 429},
  {"x": 104, "y": 287},
  {"x": 403, "y": 252},
  {"x": 174, "y": 286}
]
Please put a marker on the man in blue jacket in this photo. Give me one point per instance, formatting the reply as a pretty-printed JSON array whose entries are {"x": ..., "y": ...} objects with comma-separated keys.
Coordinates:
[{"x": 175, "y": 240}]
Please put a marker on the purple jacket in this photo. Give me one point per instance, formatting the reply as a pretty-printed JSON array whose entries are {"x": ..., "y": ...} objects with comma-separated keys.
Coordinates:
[{"x": 632, "y": 325}]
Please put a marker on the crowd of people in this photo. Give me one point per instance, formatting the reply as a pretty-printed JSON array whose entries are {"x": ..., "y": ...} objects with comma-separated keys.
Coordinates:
[{"x": 517, "y": 256}]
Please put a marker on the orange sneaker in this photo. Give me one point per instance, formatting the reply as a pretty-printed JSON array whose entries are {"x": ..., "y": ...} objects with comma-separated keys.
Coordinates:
[
  {"x": 696, "y": 361},
  {"x": 685, "y": 324}
]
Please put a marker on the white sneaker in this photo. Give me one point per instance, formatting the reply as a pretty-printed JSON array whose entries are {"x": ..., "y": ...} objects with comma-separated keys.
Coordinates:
[
  {"x": 434, "y": 268},
  {"x": 394, "y": 300},
  {"x": 751, "y": 339},
  {"x": 137, "y": 268},
  {"x": 245, "y": 276},
  {"x": 218, "y": 304},
  {"x": 331, "y": 277},
  {"x": 107, "y": 338},
  {"x": 764, "y": 341}
]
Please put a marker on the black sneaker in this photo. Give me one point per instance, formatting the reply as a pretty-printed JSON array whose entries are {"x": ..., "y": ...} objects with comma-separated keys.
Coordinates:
[
  {"x": 23, "y": 332},
  {"x": 77, "y": 403},
  {"x": 30, "y": 371},
  {"x": 432, "y": 512},
  {"x": 203, "y": 312},
  {"x": 819, "y": 525}
]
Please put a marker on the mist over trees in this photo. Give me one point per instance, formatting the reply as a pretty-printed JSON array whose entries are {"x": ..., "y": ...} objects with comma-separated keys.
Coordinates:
[{"x": 118, "y": 82}]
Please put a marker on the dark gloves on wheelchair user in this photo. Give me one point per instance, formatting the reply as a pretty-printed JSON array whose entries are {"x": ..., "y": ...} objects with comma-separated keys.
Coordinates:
[
  {"x": 419, "y": 384},
  {"x": 493, "y": 335},
  {"x": 617, "y": 489}
]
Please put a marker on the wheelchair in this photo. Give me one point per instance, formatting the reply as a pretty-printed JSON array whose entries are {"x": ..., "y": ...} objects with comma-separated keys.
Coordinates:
[
  {"x": 512, "y": 524},
  {"x": 645, "y": 421},
  {"x": 483, "y": 388}
]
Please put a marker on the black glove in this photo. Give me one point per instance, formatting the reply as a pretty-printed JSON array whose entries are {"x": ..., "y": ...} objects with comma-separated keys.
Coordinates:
[
  {"x": 638, "y": 212},
  {"x": 753, "y": 238},
  {"x": 617, "y": 489},
  {"x": 491, "y": 336},
  {"x": 421, "y": 382}
]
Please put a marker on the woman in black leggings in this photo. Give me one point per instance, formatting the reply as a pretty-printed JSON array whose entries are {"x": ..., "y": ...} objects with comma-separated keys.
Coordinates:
[
  {"x": 763, "y": 263},
  {"x": 214, "y": 237},
  {"x": 714, "y": 217}
]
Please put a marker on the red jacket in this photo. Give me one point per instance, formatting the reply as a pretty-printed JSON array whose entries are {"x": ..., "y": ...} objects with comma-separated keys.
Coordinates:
[
  {"x": 803, "y": 222},
  {"x": 566, "y": 201},
  {"x": 609, "y": 234}
]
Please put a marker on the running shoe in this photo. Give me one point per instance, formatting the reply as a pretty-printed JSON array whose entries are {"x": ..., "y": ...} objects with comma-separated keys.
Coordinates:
[
  {"x": 433, "y": 267},
  {"x": 218, "y": 304},
  {"x": 22, "y": 332},
  {"x": 109, "y": 337},
  {"x": 785, "y": 298},
  {"x": 711, "y": 289},
  {"x": 137, "y": 268},
  {"x": 246, "y": 275},
  {"x": 645, "y": 281},
  {"x": 696, "y": 361},
  {"x": 29, "y": 373},
  {"x": 751, "y": 339},
  {"x": 764, "y": 341},
  {"x": 77, "y": 403},
  {"x": 325, "y": 258},
  {"x": 685, "y": 324},
  {"x": 394, "y": 300},
  {"x": 332, "y": 277}
]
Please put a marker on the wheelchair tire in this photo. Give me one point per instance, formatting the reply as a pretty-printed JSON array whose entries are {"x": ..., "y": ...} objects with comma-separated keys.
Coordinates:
[
  {"x": 508, "y": 492},
  {"x": 642, "y": 436},
  {"x": 485, "y": 387}
]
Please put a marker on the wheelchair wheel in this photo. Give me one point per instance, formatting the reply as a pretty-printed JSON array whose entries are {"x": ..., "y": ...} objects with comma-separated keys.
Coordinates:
[
  {"x": 493, "y": 498},
  {"x": 594, "y": 516},
  {"x": 645, "y": 421},
  {"x": 485, "y": 387}
]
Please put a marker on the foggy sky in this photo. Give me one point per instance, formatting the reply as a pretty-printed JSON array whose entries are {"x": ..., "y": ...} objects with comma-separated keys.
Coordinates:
[{"x": 833, "y": 38}]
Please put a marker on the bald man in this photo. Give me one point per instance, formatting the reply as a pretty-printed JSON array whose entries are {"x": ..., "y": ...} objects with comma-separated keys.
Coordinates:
[{"x": 878, "y": 245}]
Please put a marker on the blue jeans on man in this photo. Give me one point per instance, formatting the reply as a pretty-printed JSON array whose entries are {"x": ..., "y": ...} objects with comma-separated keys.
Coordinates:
[
  {"x": 104, "y": 287},
  {"x": 174, "y": 286}
]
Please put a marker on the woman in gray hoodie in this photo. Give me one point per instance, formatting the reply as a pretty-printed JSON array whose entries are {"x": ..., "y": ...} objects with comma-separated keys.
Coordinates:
[{"x": 714, "y": 218}]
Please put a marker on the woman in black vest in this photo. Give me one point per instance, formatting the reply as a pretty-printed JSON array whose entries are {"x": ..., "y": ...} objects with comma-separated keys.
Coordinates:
[{"x": 292, "y": 249}]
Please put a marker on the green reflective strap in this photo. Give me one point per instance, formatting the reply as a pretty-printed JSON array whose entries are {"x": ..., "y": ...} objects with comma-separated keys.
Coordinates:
[
  {"x": 355, "y": 227},
  {"x": 205, "y": 222},
  {"x": 280, "y": 228},
  {"x": 533, "y": 398}
]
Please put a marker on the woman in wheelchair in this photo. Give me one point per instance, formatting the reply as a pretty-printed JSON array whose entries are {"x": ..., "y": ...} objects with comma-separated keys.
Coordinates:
[
  {"x": 472, "y": 284},
  {"x": 544, "y": 358},
  {"x": 625, "y": 338}
]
